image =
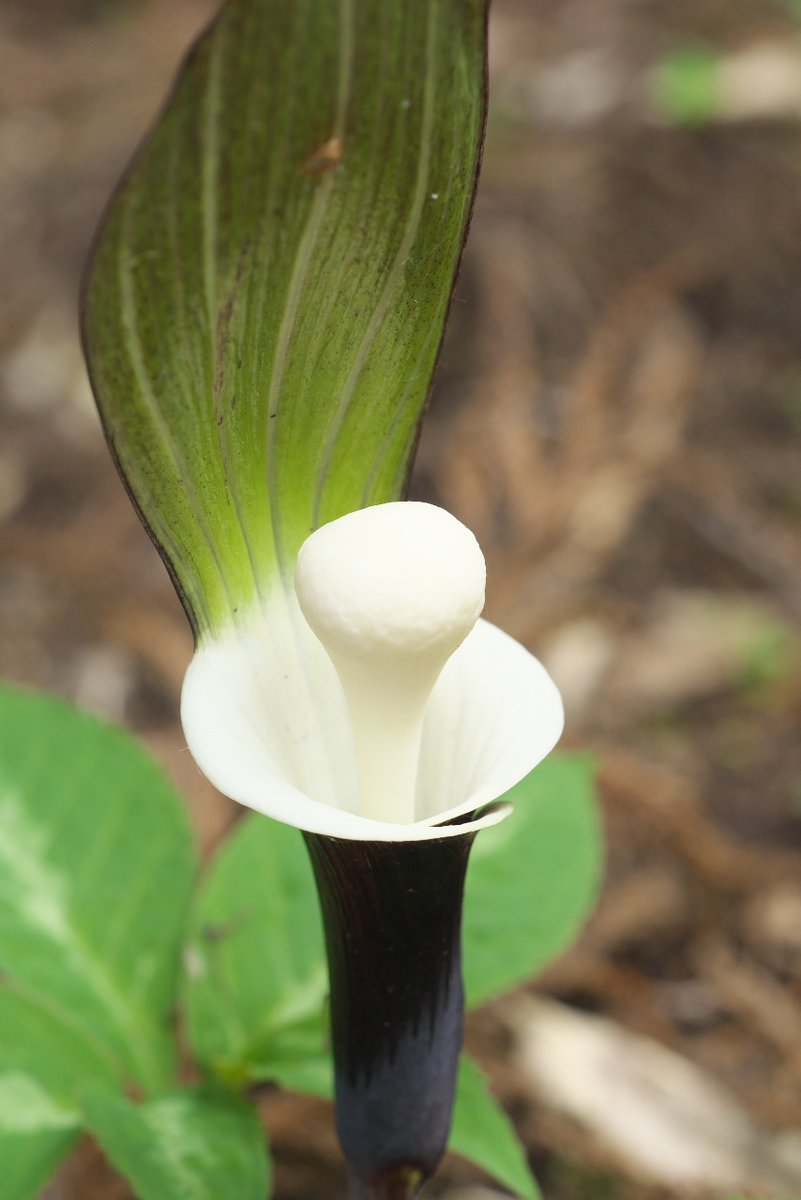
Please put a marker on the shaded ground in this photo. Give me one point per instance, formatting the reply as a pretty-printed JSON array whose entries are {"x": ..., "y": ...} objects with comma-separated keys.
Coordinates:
[{"x": 617, "y": 415}]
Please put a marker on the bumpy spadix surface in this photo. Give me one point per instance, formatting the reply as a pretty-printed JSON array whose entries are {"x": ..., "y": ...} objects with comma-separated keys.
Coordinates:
[
  {"x": 267, "y": 721},
  {"x": 390, "y": 591}
]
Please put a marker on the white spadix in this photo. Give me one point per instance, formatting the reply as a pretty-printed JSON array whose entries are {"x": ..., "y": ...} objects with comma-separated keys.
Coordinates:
[{"x": 391, "y": 591}]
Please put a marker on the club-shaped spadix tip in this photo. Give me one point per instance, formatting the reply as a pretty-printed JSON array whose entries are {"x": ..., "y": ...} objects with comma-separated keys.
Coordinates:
[
  {"x": 391, "y": 591},
  {"x": 392, "y": 580}
]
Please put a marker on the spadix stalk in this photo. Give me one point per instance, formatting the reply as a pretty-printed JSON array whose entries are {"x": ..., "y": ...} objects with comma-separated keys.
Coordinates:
[{"x": 391, "y": 591}]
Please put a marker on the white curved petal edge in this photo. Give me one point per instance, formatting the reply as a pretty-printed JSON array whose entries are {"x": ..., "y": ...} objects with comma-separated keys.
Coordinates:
[{"x": 266, "y": 721}]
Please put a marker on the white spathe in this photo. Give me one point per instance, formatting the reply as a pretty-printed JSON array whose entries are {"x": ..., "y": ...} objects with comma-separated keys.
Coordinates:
[
  {"x": 266, "y": 721},
  {"x": 372, "y": 705},
  {"x": 391, "y": 591}
]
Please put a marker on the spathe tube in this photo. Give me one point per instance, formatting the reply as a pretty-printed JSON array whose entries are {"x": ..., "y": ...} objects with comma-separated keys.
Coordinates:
[{"x": 392, "y": 918}]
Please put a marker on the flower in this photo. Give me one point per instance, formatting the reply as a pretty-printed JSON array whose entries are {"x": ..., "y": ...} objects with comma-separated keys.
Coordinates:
[
  {"x": 310, "y": 737},
  {"x": 267, "y": 722}
]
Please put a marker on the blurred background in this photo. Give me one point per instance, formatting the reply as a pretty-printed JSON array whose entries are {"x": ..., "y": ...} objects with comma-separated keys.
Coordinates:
[{"x": 617, "y": 415}]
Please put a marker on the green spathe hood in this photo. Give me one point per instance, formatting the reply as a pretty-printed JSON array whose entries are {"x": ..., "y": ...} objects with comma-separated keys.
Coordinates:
[{"x": 269, "y": 287}]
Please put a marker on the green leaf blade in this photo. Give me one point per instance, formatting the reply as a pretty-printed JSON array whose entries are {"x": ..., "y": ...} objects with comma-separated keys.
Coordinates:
[
  {"x": 202, "y": 1145},
  {"x": 36, "y": 1133},
  {"x": 256, "y": 979},
  {"x": 269, "y": 290},
  {"x": 482, "y": 1132},
  {"x": 29, "y": 1160},
  {"x": 532, "y": 879},
  {"x": 96, "y": 862}
]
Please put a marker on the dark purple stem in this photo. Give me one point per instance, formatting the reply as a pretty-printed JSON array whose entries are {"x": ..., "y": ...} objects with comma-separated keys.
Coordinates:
[{"x": 392, "y": 917}]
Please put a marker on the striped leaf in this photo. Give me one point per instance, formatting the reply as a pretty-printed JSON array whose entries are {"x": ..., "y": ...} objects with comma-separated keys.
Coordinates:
[{"x": 269, "y": 288}]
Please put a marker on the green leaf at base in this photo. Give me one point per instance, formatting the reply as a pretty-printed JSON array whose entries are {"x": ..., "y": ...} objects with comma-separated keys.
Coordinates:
[
  {"x": 256, "y": 975},
  {"x": 313, "y": 1075},
  {"x": 532, "y": 879},
  {"x": 483, "y": 1133},
  {"x": 36, "y": 1133},
  {"x": 96, "y": 863},
  {"x": 201, "y": 1145}
]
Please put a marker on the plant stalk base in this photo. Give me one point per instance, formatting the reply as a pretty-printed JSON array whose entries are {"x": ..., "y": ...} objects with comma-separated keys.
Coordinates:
[{"x": 402, "y": 1184}]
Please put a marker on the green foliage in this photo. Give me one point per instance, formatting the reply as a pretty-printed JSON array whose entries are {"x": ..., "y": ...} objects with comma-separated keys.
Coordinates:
[
  {"x": 257, "y": 982},
  {"x": 482, "y": 1132},
  {"x": 194, "y": 1145},
  {"x": 96, "y": 863},
  {"x": 532, "y": 878},
  {"x": 36, "y": 1133},
  {"x": 268, "y": 294},
  {"x": 686, "y": 87}
]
